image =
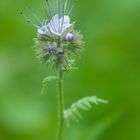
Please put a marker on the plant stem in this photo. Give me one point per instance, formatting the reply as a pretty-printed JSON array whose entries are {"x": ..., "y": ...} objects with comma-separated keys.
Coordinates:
[{"x": 60, "y": 106}]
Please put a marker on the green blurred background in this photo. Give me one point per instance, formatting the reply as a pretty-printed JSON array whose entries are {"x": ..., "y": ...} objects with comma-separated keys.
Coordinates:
[{"x": 109, "y": 68}]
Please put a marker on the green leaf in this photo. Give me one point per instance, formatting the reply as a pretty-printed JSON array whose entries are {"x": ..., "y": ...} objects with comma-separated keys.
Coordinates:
[
  {"x": 84, "y": 104},
  {"x": 46, "y": 80}
]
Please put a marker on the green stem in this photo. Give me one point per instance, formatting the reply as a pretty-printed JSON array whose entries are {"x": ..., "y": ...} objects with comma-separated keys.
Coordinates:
[{"x": 60, "y": 106}]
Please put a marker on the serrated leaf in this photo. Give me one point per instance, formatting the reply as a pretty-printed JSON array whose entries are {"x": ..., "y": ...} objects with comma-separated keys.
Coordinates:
[
  {"x": 77, "y": 113},
  {"x": 84, "y": 104},
  {"x": 46, "y": 80}
]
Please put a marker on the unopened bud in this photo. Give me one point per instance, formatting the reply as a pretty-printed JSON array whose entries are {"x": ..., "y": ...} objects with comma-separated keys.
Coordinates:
[{"x": 69, "y": 37}]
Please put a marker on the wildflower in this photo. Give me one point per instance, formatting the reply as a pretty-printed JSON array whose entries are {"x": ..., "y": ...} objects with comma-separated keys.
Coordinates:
[
  {"x": 57, "y": 37},
  {"x": 56, "y": 42}
]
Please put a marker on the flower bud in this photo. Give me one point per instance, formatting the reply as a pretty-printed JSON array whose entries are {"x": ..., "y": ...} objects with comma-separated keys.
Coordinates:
[
  {"x": 51, "y": 48},
  {"x": 69, "y": 37},
  {"x": 60, "y": 51}
]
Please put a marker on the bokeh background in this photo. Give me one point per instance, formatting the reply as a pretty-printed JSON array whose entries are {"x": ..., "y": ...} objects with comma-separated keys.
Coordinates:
[{"x": 109, "y": 68}]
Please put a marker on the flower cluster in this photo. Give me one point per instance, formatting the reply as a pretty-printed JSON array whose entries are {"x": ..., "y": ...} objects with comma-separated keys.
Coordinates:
[{"x": 57, "y": 40}]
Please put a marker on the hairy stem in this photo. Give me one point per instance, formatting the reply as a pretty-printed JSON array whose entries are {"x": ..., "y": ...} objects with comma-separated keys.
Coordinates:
[{"x": 60, "y": 106}]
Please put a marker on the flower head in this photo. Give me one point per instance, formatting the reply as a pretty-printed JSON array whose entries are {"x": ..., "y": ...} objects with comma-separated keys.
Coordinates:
[{"x": 57, "y": 39}]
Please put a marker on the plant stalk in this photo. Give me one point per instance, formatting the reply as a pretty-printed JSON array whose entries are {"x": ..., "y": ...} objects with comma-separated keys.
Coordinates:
[{"x": 60, "y": 106}]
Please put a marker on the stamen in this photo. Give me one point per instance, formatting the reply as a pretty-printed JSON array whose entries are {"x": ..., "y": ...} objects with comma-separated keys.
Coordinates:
[
  {"x": 36, "y": 17},
  {"x": 53, "y": 13},
  {"x": 53, "y": 7},
  {"x": 46, "y": 12},
  {"x": 46, "y": 21},
  {"x": 66, "y": 2},
  {"x": 43, "y": 21},
  {"x": 58, "y": 11},
  {"x": 29, "y": 20},
  {"x": 58, "y": 7},
  {"x": 71, "y": 9},
  {"x": 63, "y": 12},
  {"x": 51, "y": 16},
  {"x": 69, "y": 4}
]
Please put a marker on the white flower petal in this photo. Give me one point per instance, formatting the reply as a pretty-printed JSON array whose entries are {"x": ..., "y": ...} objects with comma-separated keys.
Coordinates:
[
  {"x": 65, "y": 20},
  {"x": 64, "y": 23},
  {"x": 52, "y": 30},
  {"x": 56, "y": 33},
  {"x": 64, "y": 27},
  {"x": 43, "y": 30},
  {"x": 54, "y": 23}
]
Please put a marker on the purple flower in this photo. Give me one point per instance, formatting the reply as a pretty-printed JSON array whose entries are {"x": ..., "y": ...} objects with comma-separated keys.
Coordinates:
[{"x": 69, "y": 37}]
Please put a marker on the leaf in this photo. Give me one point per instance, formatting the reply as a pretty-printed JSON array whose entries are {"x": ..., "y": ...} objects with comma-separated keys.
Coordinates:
[
  {"x": 46, "y": 80},
  {"x": 84, "y": 104}
]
